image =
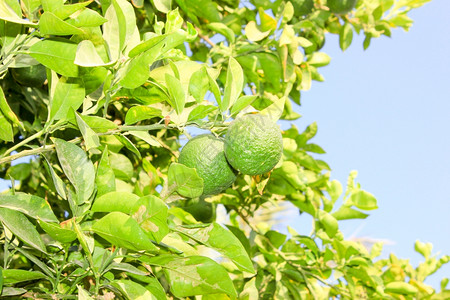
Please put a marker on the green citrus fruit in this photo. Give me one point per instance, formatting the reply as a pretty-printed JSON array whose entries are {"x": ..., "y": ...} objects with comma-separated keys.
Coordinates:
[
  {"x": 33, "y": 76},
  {"x": 202, "y": 211},
  {"x": 341, "y": 7},
  {"x": 253, "y": 144},
  {"x": 206, "y": 154}
]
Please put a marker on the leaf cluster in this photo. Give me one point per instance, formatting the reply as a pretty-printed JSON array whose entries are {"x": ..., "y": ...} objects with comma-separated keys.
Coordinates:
[{"x": 99, "y": 208}]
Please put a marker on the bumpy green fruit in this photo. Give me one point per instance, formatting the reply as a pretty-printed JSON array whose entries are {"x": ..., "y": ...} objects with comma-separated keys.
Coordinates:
[
  {"x": 33, "y": 76},
  {"x": 253, "y": 144},
  {"x": 341, "y": 7},
  {"x": 206, "y": 154}
]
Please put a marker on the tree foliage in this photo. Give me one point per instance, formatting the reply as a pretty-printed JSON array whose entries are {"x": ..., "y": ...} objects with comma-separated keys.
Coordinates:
[{"x": 104, "y": 210}]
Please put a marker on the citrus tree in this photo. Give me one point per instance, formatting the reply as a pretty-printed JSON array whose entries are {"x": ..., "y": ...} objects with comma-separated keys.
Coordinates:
[{"x": 97, "y": 99}]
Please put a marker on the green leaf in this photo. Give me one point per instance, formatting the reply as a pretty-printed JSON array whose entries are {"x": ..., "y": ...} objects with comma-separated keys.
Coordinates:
[
  {"x": 87, "y": 55},
  {"x": 59, "y": 185},
  {"x": 69, "y": 94},
  {"x": 329, "y": 223},
  {"x": 86, "y": 18},
  {"x": 130, "y": 269},
  {"x": 37, "y": 262},
  {"x": 334, "y": 189},
  {"x": 253, "y": 33},
  {"x": 30, "y": 205},
  {"x": 105, "y": 179},
  {"x": 400, "y": 287},
  {"x": 178, "y": 98},
  {"x": 367, "y": 40},
  {"x": 214, "y": 87},
  {"x": 185, "y": 181},
  {"x": 19, "y": 171},
  {"x": 174, "y": 21},
  {"x": 10, "y": 291},
  {"x": 272, "y": 68},
  {"x": 347, "y": 213},
  {"x": 11, "y": 276},
  {"x": 199, "y": 84},
  {"x": 345, "y": 36},
  {"x": 6, "y": 110},
  {"x": 424, "y": 249},
  {"x": 234, "y": 84},
  {"x": 18, "y": 224},
  {"x": 305, "y": 84},
  {"x": 65, "y": 11},
  {"x": 319, "y": 59},
  {"x": 115, "y": 201},
  {"x": 7, "y": 133},
  {"x": 119, "y": 28},
  {"x": 141, "y": 112},
  {"x": 151, "y": 214},
  {"x": 99, "y": 124},
  {"x": 195, "y": 275},
  {"x": 250, "y": 292},
  {"x": 188, "y": 68},
  {"x": 129, "y": 145},
  {"x": 138, "y": 69},
  {"x": 58, "y": 233},
  {"x": 133, "y": 290},
  {"x": 77, "y": 167},
  {"x": 123, "y": 231},
  {"x": 150, "y": 43},
  {"x": 221, "y": 240},
  {"x": 91, "y": 139},
  {"x": 122, "y": 166},
  {"x": 146, "y": 137},
  {"x": 182, "y": 215},
  {"x": 163, "y": 6},
  {"x": 50, "y": 24},
  {"x": 241, "y": 103},
  {"x": 363, "y": 200},
  {"x": 200, "y": 112},
  {"x": 52, "y": 5},
  {"x": 83, "y": 294},
  {"x": 9, "y": 14},
  {"x": 223, "y": 30},
  {"x": 58, "y": 55}
]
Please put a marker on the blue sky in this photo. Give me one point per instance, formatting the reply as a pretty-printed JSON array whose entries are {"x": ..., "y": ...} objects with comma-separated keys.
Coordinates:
[{"x": 385, "y": 112}]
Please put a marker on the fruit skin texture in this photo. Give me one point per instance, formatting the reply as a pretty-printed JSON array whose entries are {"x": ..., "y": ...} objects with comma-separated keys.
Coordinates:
[
  {"x": 253, "y": 144},
  {"x": 341, "y": 6},
  {"x": 33, "y": 76},
  {"x": 206, "y": 154}
]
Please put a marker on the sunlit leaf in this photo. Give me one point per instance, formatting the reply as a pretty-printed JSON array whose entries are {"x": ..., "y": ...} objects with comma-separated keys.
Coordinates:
[
  {"x": 30, "y": 205},
  {"x": 58, "y": 55},
  {"x": 77, "y": 167},
  {"x": 185, "y": 180},
  {"x": 195, "y": 275},
  {"x": 123, "y": 231},
  {"x": 18, "y": 224},
  {"x": 221, "y": 240}
]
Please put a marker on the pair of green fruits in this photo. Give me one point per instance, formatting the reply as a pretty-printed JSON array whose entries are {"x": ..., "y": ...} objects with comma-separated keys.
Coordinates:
[{"x": 252, "y": 145}]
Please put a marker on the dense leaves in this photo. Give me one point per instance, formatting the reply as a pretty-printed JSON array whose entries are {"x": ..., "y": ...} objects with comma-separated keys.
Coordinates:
[{"x": 101, "y": 209}]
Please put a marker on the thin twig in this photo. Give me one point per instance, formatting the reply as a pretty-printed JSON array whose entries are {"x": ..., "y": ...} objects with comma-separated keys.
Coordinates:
[
  {"x": 204, "y": 37},
  {"x": 18, "y": 145}
]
